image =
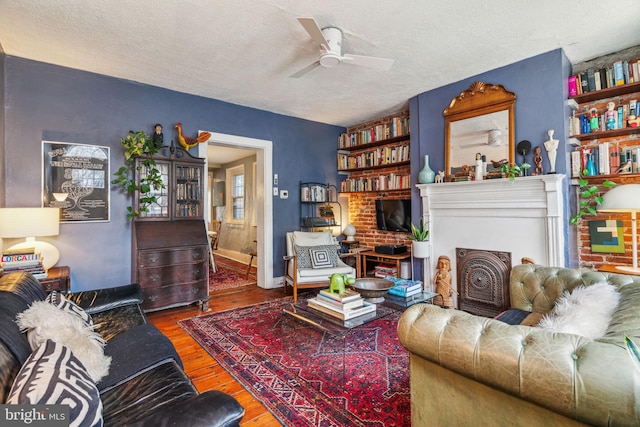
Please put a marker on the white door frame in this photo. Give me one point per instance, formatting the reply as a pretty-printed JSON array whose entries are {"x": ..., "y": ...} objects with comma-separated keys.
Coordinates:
[{"x": 264, "y": 205}]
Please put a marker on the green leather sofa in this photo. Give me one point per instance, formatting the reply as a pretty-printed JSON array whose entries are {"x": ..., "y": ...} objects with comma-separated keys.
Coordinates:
[{"x": 468, "y": 370}]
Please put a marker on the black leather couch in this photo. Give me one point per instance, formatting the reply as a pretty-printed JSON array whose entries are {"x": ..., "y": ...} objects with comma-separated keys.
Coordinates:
[{"x": 146, "y": 384}]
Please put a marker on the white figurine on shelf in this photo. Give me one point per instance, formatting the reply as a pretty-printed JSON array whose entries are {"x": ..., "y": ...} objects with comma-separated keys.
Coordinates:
[{"x": 552, "y": 148}]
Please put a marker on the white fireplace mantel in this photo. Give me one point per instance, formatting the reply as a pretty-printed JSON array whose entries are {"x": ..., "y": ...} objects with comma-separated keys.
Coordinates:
[{"x": 524, "y": 217}]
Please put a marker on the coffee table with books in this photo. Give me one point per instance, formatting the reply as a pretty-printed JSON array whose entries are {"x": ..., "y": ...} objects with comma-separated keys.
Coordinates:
[{"x": 338, "y": 314}]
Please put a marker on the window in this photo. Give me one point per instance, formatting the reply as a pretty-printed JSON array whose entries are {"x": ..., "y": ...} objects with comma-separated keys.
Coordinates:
[{"x": 235, "y": 192}]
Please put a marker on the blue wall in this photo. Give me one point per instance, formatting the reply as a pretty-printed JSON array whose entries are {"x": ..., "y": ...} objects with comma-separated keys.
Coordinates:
[
  {"x": 48, "y": 102},
  {"x": 541, "y": 91}
]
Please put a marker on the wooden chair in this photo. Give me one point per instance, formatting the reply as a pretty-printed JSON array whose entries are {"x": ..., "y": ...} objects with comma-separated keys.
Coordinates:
[
  {"x": 214, "y": 233},
  {"x": 300, "y": 272},
  {"x": 253, "y": 254}
]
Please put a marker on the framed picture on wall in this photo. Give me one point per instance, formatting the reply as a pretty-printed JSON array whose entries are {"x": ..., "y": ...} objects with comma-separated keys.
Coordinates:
[
  {"x": 75, "y": 178},
  {"x": 607, "y": 236}
]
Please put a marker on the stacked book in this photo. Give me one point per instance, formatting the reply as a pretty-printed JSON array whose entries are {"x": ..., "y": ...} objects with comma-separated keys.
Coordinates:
[
  {"x": 342, "y": 306},
  {"x": 27, "y": 260},
  {"x": 385, "y": 270},
  {"x": 404, "y": 287}
]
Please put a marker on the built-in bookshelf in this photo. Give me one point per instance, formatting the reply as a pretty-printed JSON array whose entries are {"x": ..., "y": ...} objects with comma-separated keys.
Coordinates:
[
  {"x": 376, "y": 156},
  {"x": 606, "y": 134},
  {"x": 608, "y": 139}
]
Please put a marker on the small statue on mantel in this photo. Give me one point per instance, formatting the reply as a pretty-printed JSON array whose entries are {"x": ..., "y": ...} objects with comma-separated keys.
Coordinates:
[
  {"x": 537, "y": 161},
  {"x": 442, "y": 281}
]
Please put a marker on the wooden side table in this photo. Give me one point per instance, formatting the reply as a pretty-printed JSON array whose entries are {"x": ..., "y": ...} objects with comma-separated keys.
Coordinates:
[
  {"x": 57, "y": 280},
  {"x": 609, "y": 268},
  {"x": 373, "y": 256}
]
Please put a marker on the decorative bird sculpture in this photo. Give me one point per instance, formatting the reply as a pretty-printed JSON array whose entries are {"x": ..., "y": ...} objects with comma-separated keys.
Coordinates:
[{"x": 188, "y": 142}]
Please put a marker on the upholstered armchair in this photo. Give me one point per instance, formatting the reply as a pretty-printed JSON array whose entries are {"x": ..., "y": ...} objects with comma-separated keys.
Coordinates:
[{"x": 311, "y": 258}]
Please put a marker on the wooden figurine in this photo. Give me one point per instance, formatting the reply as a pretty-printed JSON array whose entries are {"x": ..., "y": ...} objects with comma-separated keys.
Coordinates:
[
  {"x": 442, "y": 281},
  {"x": 537, "y": 161}
]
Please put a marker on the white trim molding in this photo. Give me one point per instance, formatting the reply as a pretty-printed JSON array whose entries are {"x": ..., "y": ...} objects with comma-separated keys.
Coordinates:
[{"x": 524, "y": 217}]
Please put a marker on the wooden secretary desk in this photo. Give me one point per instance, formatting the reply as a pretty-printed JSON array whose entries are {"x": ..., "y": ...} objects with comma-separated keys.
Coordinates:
[{"x": 169, "y": 242}]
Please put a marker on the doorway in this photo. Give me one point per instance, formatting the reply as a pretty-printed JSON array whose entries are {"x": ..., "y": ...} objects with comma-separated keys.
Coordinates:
[{"x": 263, "y": 199}]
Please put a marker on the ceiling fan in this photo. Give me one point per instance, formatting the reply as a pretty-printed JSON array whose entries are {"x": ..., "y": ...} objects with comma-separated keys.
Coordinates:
[{"x": 330, "y": 41}]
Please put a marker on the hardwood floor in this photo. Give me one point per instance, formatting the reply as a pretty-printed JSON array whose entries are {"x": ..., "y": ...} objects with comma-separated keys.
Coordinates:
[{"x": 203, "y": 369}]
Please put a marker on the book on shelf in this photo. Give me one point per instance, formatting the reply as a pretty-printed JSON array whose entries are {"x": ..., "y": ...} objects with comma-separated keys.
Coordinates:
[
  {"x": 348, "y": 295},
  {"x": 323, "y": 307},
  {"x": 19, "y": 251},
  {"x": 618, "y": 73},
  {"x": 608, "y": 158},
  {"x": 30, "y": 257},
  {"x": 339, "y": 304}
]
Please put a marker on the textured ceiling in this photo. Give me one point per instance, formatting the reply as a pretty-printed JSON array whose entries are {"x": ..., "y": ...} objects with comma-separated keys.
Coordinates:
[{"x": 243, "y": 51}]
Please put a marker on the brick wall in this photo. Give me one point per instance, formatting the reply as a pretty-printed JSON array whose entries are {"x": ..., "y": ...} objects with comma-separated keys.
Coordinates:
[
  {"x": 362, "y": 206},
  {"x": 362, "y": 214},
  {"x": 589, "y": 259}
]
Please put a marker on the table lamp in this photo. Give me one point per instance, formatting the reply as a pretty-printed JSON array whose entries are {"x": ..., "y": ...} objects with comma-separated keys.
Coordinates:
[
  {"x": 31, "y": 223},
  {"x": 349, "y": 231},
  {"x": 625, "y": 198}
]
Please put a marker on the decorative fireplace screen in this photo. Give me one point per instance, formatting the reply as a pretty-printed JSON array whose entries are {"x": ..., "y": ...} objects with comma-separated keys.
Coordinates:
[{"x": 483, "y": 281}]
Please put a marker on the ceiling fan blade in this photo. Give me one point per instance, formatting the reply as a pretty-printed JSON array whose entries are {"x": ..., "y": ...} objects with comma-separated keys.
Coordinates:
[
  {"x": 314, "y": 31},
  {"x": 368, "y": 61},
  {"x": 475, "y": 144},
  {"x": 309, "y": 68}
]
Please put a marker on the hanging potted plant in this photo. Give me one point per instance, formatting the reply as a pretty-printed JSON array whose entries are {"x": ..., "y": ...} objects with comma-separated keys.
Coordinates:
[
  {"x": 138, "y": 145},
  {"x": 420, "y": 244}
]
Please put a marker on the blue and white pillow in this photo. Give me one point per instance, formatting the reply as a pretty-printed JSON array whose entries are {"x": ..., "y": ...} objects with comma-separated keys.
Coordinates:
[
  {"x": 53, "y": 375},
  {"x": 305, "y": 259},
  {"x": 321, "y": 257},
  {"x": 60, "y": 301}
]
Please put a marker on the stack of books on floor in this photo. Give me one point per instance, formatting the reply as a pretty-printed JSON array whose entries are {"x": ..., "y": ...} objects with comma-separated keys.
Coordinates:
[
  {"x": 385, "y": 270},
  {"x": 27, "y": 260},
  {"x": 405, "y": 288},
  {"x": 342, "y": 306}
]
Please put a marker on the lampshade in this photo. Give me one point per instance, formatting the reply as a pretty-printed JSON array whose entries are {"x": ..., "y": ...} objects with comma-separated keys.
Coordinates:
[
  {"x": 621, "y": 198},
  {"x": 625, "y": 198},
  {"x": 31, "y": 223},
  {"x": 349, "y": 231}
]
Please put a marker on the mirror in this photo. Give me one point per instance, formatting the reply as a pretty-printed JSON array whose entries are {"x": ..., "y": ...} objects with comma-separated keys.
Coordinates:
[{"x": 481, "y": 121}]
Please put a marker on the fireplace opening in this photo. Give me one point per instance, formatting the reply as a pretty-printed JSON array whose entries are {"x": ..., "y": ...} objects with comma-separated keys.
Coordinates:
[{"x": 483, "y": 281}]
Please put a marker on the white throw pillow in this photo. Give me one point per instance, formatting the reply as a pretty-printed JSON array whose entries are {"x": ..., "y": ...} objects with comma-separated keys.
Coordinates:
[
  {"x": 43, "y": 321},
  {"x": 586, "y": 311}
]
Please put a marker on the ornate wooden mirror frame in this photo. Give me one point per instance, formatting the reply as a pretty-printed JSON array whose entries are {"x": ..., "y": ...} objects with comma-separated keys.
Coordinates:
[{"x": 479, "y": 110}]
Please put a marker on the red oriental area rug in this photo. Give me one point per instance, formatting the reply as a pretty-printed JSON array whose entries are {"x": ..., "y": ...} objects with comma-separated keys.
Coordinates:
[
  {"x": 306, "y": 377},
  {"x": 230, "y": 274}
]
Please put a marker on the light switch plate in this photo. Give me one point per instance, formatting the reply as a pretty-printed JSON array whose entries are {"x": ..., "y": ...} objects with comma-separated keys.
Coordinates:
[
  {"x": 275, "y": 179},
  {"x": 275, "y": 191}
]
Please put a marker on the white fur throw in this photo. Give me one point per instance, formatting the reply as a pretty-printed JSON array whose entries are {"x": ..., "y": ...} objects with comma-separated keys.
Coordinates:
[
  {"x": 586, "y": 311},
  {"x": 44, "y": 321}
]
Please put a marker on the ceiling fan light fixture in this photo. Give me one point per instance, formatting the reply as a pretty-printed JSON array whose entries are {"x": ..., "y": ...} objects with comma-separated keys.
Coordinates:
[{"x": 330, "y": 59}]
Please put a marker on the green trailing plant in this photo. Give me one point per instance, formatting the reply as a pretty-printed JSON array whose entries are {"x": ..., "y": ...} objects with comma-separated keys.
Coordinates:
[
  {"x": 138, "y": 145},
  {"x": 589, "y": 198},
  {"x": 420, "y": 233},
  {"x": 513, "y": 171}
]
